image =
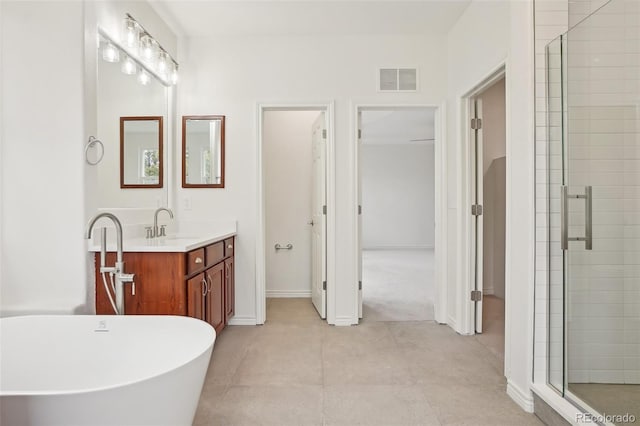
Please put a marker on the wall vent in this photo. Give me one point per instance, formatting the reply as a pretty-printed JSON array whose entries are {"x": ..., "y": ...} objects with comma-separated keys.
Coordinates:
[{"x": 397, "y": 79}]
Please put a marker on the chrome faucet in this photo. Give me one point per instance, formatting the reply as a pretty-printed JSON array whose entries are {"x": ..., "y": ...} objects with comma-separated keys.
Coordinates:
[
  {"x": 117, "y": 270},
  {"x": 159, "y": 232}
]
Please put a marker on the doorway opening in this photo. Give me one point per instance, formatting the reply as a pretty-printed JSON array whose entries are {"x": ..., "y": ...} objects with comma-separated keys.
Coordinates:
[
  {"x": 396, "y": 221},
  {"x": 487, "y": 148},
  {"x": 294, "y": 209}
]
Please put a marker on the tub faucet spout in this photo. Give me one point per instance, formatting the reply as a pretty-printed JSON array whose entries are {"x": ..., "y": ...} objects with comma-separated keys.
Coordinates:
[{"x": 117, "y": 270}]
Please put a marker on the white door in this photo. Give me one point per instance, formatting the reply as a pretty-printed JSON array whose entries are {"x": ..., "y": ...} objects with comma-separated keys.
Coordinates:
[
  {"x": 359, "y": 213},
  {"x": 476, "y": 210},
  {"x": 319, "y": 219}
]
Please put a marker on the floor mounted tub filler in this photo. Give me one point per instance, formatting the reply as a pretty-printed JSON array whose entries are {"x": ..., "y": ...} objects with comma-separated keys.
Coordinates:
[{"x": 102, "y": 370}]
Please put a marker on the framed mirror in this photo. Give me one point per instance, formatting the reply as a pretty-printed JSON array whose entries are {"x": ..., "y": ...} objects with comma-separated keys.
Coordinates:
[
  {"x": 141, "y": 153},
  {"x": 203, "y": 151}
]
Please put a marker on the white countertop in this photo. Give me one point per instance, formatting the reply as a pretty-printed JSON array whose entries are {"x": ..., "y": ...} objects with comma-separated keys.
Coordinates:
[{"x": 179, "y": 241}]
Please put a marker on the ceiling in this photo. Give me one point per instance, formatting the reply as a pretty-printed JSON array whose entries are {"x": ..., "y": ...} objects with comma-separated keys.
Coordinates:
[
  {"x": 406, "y": 126},
  {"x": 206, "y": 18}
]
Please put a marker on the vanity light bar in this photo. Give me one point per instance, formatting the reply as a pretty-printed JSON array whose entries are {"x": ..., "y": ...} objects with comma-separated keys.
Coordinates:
[
  {"x": 146, "y": 34},
  {"x": 169, "y": 78}
]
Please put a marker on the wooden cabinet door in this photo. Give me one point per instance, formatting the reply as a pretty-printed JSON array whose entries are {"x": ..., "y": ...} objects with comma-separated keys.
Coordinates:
[
  {"x": 159, "y": 284},
  {"x": 215, "y": 296},
  {"x": 229, "y": 290},
  {"x": 196, "y": 300}
]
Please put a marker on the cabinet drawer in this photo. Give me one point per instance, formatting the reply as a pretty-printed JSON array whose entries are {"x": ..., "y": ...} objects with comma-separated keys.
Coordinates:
[
  {"x": 228, "y": 247},
  {"x": 195, "y": 260},
  {"x": 215, "y": 253}
]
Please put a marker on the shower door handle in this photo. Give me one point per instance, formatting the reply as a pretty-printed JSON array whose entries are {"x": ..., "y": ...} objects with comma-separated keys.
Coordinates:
[
  {"x": 564, "y": 218},
  {"x": 588, "y": 218}
]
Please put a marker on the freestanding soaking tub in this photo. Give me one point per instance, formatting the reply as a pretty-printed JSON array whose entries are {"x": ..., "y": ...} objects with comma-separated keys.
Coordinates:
[{"x": 102, "y": 370}]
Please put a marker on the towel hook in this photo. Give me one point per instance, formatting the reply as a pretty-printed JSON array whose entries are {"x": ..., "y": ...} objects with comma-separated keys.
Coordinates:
[{"x": 90, "y": 144}]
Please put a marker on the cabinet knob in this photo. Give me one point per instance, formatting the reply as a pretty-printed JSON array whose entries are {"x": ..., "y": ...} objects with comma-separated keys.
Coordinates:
[
  {"x": 198, "y": 260},
  {"x": 230, "y": 246}
]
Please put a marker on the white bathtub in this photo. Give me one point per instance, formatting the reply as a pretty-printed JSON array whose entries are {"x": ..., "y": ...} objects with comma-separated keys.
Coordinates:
[{"x": 102, "y": 370}]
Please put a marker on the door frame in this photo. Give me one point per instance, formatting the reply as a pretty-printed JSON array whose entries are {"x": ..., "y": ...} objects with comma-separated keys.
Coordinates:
[
  {"x": 440, "y": 198},
  {"x": 465, "y": 258},
  {"x": 261, "y": 272}
]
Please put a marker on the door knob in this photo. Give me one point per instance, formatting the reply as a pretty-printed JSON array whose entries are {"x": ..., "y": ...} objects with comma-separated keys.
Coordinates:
[{"x": 310, "y": 223}]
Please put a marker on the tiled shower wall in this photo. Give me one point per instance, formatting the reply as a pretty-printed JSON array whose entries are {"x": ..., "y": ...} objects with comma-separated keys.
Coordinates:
[
  {"x": 580, "y": 9},
  {"x": 604, "y": 344},
  {"x": 603, "y": 127}
]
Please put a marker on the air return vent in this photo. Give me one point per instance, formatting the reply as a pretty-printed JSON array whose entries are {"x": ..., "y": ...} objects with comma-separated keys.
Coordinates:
[{"x": 397, "y": 79}]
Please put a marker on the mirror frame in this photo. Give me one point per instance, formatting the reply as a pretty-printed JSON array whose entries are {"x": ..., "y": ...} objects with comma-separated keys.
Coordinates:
[
  {"x": 221, "y": 118},
  {"x": 159, "y": 119}
]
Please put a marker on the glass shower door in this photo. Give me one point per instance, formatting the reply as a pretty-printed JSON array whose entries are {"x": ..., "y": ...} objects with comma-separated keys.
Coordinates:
[{"x": 599, "y": 204}]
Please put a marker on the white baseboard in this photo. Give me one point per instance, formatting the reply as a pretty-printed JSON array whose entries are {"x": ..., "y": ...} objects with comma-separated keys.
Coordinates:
[
  {"x": 523, "y": 399},
  {"x": 429, "y": 247},
  {"x": 289, "y": 293},
  {"x": 344, "y": 321},
  {"x": 243, "y": 321}
]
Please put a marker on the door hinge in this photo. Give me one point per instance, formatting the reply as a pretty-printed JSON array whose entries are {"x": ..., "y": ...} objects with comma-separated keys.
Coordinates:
[
  {"x": 476, "y": 296},
  {"x": 324, "y": 209},
  {"x": 324, "y": 133},
  {"x": 476, "y": 123},
  {"x": 359, "y": 285},
  {"x": 359, "y": 209},
  {"x": 359, "y": 133},
  {"x": 324, "y": 285},
  {"x": 476, "y": 209}
]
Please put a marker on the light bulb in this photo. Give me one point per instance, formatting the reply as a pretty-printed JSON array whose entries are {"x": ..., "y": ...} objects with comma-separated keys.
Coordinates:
[
  {"x": 147, "y": 45},
  {"x": 143, "y": 77},
  {"x": 173, "y": 77},
  {"x": 128, "y": 66},
  {"x": 163, "y": 64},
  {"x": 131, "y": 33},
  {"x": 110, "y": 53}
]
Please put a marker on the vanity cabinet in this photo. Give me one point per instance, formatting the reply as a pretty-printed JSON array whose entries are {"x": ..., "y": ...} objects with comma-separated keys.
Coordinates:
[{"x": 199, "y": 283}]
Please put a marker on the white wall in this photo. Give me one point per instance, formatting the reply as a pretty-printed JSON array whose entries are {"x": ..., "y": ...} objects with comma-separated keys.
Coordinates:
[
  {"x": 42, "y": 164},
  {"x": 288, "y": 169},
  {"x": 488, "y": 34},
  {"x": 397, "y": 196},
  {"x": 48, "y": 112},
  {"x": 230, "y": 75},
  {"x": 494, "y": 169}
]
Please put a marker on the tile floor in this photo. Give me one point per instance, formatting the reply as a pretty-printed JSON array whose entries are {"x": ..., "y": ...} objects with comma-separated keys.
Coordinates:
[
  {"x": 611, "y": 399},
  {"x": 297, "y": 370}
]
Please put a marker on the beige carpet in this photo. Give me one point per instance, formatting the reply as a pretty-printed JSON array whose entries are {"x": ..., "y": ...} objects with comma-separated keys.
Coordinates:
[{"x": 397, "y": 285}]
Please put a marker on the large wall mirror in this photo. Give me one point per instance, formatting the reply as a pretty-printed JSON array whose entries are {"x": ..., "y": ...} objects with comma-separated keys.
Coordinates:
[
  {"x": 141, "y": 152},
  {"x": 124, "y": 95},
  {"x": 203, "y": 151}
]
